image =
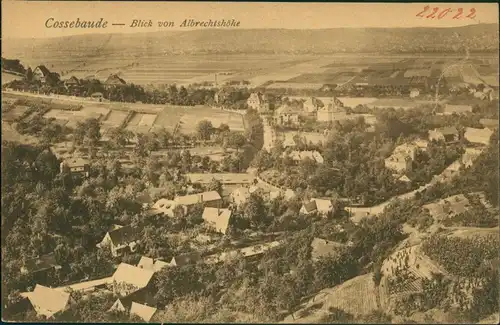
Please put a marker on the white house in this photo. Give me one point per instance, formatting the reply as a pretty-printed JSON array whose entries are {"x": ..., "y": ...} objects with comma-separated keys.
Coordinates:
[
  {"x": 48, "y": 301},
  {"x": 258, "y": 102},
  {"x": 321, "y": 206}
]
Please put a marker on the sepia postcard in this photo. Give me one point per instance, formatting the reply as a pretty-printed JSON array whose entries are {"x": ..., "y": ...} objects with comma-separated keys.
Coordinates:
[{"x": 250, "y": 162}]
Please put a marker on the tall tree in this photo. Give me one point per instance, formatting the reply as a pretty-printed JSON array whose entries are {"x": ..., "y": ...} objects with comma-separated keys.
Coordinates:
[{"x": 204, "y": 129}]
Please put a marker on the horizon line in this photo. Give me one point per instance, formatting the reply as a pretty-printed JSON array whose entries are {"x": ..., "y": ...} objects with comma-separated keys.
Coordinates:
[{"x": 180, "y": 30}]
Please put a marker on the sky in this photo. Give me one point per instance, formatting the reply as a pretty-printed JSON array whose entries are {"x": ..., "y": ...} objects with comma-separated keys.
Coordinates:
[{"x": 23, "y": 19}]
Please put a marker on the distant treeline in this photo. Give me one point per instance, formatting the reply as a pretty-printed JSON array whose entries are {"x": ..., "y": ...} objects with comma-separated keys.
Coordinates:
[{"x": 13, "y": 65}]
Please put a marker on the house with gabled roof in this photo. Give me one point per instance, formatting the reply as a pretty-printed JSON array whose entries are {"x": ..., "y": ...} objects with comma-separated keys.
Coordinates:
[
  {"x": 134, "y": 304},
  {"x": 120, "y": 239},
  {"x": 259, "y": 102},
  {"x": 75, "y": 166},
  {"x": 481, "y": 136},
  {"x": 144, "y": 312},
  {"x": 311, "y": 104},
  {"x": 128, "y": 279},
  {"x": 447, "y": 134},
  {"x": 401, "y": 159},
  {"x": 47, "y": 301},
  {"x": 287, "y": 114},
  {"x": 186, "y": 259},
  {"x": 71, "y": 83},
  {"x": 114, "y": 81},
  {"x": 219, "y": 219},
  {"x": 207, "y": 199},
  {"x": 41, "y": 73},
  {"x": 320, "y": 206},
  {"x": 332, "y": 110}
]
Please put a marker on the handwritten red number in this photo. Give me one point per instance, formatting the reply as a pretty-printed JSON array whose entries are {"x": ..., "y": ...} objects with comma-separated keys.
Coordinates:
[
  {"x": 444, "y": 13},
  {"x": 421, "y": 14},
  {"x": 433, "y": 13},
  {"x": 460, "y": 11},
  {"x": 472, "y": 14}
]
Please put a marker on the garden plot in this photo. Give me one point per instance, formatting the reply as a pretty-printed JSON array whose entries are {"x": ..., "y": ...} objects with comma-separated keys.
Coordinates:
[
  {"x": 93, "y": 111},
  {"x": 141, "y": 123},
  {"x": 169, "y": 117},
  {"x": 410, "y": 266},
  {"x": 73, "y": 117},
  {"x": 115, "y": 118}
]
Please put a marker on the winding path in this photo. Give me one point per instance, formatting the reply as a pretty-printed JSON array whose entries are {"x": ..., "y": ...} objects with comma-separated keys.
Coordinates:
[{"x": 358, "y": 213}]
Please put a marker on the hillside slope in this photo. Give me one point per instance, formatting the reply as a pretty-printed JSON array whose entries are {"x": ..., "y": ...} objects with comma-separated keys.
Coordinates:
[{"x": 482, "y": 37}]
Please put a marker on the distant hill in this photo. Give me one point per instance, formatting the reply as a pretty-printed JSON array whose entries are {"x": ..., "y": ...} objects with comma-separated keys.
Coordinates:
[{"x": 481, "y": 37}]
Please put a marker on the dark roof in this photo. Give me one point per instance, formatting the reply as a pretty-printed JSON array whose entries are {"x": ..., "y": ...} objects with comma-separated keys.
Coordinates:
[
  {"x": 144, "y": 297},
  {"x": 44, "y": 70},
  {"x": 123, "y": 235},
  {"x": 41, "y": 263},
  {"x": 115, "y": 80},
  {"x": 310, "y": 206},
  {"x": 186, "y": 259}
]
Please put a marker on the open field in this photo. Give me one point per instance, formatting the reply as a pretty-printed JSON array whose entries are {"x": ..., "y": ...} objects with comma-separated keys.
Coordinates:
[
  {"x": 191, "y": 118},
  {"x": 141, "y": 123},
  {"x": 405, "y": 103},
  {"x": 142, "y": 120},
  {"x": 298, "y": 71},
  {"x": 357, "y": 296},
  {"x": 324, "y": 78}
]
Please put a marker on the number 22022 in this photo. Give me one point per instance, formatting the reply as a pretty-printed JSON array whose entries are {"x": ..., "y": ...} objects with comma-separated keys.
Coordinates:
[{"x": 436, "y": 13}]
